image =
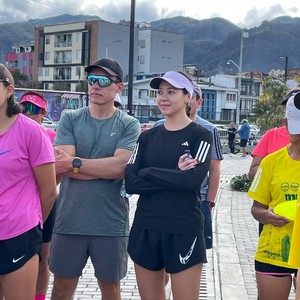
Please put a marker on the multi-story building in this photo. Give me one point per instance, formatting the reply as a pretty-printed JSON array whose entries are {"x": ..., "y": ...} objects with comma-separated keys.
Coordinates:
[
  {"x": 159, "y": 51},
  {"x": 21, "y": 58},
  {"x": 219, "y": 95},
  {"x": 63, "y": 51}
]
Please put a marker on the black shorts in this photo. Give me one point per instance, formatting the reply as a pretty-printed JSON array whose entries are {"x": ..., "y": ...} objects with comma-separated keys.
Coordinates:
[
  {"x": 268, "y": 269},
  {"x": 155, "y": 250},
  {"x": 15, "y": 252},
  {"x": 243, "y": 143},
  {"x": 49, "y": 224}
]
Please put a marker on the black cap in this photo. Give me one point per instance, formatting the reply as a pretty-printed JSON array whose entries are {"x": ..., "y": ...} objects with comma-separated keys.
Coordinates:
[
  {"x": 111, "y": 66},
  {"x": 290, "y": 93}
]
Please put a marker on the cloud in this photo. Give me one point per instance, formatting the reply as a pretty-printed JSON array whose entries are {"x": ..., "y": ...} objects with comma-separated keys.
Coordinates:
[{"x": 255, "y": 17}]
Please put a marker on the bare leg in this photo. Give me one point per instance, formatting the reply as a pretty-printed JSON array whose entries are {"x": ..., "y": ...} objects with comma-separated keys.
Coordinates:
[
  {"x": 297, "y": 285},
  {"x": 63, "y": 288},
  {"x": 272, "y": 287},
  {"x": 21, "y": 283},
  {"x": 110, "y": 290},
  {"x": 151, "y": 284},
  {"x": 44, "y": 273},
  {"x": 186, "y": 284},
  {"x": 1, "y": 292}
]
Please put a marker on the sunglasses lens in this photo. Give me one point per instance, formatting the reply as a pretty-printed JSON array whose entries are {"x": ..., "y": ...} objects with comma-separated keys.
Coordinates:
[
  {"x": 103, "y": 81},
  {"x": 33, "y": 109},
  {"x": 91, "y": 80}
]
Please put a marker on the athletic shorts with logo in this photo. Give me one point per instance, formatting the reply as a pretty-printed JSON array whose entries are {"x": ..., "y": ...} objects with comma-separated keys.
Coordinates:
[
  {"x": 69, "y": 255},
  {"x": 155, "y": 250},
  {"x": 15, "y": 252}
]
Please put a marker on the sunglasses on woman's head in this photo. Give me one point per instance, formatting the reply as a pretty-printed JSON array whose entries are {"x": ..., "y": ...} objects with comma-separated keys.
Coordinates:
[
  {"x": 103, "y": 81},
  {"x": 33, "y": 109}
]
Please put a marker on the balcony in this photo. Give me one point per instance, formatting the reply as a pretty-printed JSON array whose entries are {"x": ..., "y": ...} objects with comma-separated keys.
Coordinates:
[
  {"x": 63, "y": 44},
  {"x": 62, "y": 77},
  {"x": 62, "y": 60}
]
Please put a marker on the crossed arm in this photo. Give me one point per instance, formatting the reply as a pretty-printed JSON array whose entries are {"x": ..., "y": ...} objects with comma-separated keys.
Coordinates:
[{"x": 105, "y": 168}]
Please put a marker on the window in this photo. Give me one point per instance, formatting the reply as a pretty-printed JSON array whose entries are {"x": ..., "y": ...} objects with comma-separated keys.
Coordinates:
[
  {"x": 231, "y": 97},
  {"x": 142, "y": 43},
  {"x": 63, "y": 57},
  {"x": 46, "y": 72},
  {"x": 47, "y": 39},
  {"x": 78, "y": 54},
  {"x": 153, "y": 93},
  {"x": 47, "y": 55},
  {"x": 142, "y": 59}
]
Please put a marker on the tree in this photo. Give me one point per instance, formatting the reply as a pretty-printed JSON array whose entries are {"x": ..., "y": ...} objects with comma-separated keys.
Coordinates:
[
  {"x": 61, "y": 86},
  {"x": 81, "y": 86},
  {"x": 268, "y": 109},
  {"x": 19, "y": 78}
]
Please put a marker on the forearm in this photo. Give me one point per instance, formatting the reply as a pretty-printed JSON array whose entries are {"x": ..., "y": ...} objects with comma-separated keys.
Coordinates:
[
  {"x": 260, "y": 214},
  {"x": 47, "y": 200},
  {"x": 213, "y": 180},
  {"x": 104, "y": 168}
]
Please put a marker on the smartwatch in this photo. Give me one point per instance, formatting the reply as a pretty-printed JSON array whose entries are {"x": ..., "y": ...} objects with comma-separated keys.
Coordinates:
[{"x": 76, "y": 164}]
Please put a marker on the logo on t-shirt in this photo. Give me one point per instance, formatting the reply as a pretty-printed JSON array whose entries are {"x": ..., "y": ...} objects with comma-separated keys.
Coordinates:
[{"x": 4, "y": 152}]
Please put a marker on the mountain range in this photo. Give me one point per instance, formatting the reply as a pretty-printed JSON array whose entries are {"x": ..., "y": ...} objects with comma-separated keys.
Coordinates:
[{"x": 209, "y": 43}]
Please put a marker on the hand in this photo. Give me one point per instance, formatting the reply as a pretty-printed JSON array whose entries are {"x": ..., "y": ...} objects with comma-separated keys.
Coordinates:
[
  {"x": 63, "y": 161},
  {"x": 275, "y": 219},
  {"x": 184, "y": 165}
]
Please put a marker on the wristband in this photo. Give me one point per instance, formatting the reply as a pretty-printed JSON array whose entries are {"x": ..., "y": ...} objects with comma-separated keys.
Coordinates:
[{"x": 211, "y": 203}]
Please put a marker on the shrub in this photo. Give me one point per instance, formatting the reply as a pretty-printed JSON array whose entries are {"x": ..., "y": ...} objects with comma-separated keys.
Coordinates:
[{"x": 240, "y": 183}]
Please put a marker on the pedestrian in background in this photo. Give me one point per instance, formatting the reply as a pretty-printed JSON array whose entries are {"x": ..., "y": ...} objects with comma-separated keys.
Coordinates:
[
  {"x": 93, "y": 145},
  {"x": 167, "y": 231},
  {"x": 231, "y": 137},
  {"x": 27, "y": 193},
  {"x": 277, "y": 181},
  {"x": 244, "y": 133},
  {"x": 35, "y": 107}
]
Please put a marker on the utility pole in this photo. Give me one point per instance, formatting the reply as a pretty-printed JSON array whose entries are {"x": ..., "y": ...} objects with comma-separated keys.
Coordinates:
[
  {"x": 131, "y": 57},
  {"x": 285, "y": 67}
]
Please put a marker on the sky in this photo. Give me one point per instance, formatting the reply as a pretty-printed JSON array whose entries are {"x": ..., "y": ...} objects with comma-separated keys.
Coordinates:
[{"x": 243, "y": 13}]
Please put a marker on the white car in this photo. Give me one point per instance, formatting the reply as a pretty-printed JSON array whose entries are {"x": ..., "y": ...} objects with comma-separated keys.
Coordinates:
[{"x": 49, "y": 124}]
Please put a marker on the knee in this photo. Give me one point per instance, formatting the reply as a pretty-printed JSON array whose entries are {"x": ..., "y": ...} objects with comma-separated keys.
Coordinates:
[
  {"x": 63, "y": 288},
  {"x": 110, "y": 290}
]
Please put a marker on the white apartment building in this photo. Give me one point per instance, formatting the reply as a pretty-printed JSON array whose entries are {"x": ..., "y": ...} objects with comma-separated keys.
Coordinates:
[{"x": 62, "y": 51}]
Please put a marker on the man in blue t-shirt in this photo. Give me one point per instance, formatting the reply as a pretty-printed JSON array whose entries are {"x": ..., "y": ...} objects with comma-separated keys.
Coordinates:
[{"x": 244, "y": 133}]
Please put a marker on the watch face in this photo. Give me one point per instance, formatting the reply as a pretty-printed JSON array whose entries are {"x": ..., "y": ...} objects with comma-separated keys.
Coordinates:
[{"x": 76, "y": 163}]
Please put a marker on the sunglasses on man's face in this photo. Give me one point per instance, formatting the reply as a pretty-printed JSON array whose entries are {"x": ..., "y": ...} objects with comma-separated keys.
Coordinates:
[
  {"x": 33, "y": 109},
  {"x": 103, "y": 81}
]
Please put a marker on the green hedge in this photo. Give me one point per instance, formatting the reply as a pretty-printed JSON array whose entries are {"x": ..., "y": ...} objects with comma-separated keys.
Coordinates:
[{"x": 240, "y": 183}]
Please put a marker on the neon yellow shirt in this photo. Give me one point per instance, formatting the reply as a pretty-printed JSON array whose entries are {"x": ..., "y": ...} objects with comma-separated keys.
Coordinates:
[{"x": 277, "y": 180}]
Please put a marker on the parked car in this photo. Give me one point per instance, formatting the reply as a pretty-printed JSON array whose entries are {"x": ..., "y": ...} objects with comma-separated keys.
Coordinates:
[
  {"x": 49, "y": 124},
  {"x": 146, "y": 126},
  {"x": 222, "y": 130}
]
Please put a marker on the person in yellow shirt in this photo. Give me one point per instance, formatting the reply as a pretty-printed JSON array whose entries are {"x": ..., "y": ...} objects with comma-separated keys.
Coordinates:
[{"x": 277, "y": 180}]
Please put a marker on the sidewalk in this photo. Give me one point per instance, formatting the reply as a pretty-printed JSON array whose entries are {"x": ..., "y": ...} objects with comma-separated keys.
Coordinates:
[{"x": 229, "y": 273}]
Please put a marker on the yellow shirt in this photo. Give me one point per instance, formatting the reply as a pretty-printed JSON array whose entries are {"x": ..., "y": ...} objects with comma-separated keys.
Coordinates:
[{"x": 277, "y": 180}]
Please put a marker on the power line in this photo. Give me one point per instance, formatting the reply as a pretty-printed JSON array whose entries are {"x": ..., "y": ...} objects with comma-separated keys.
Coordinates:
[{"x": 45, "y": 6}]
